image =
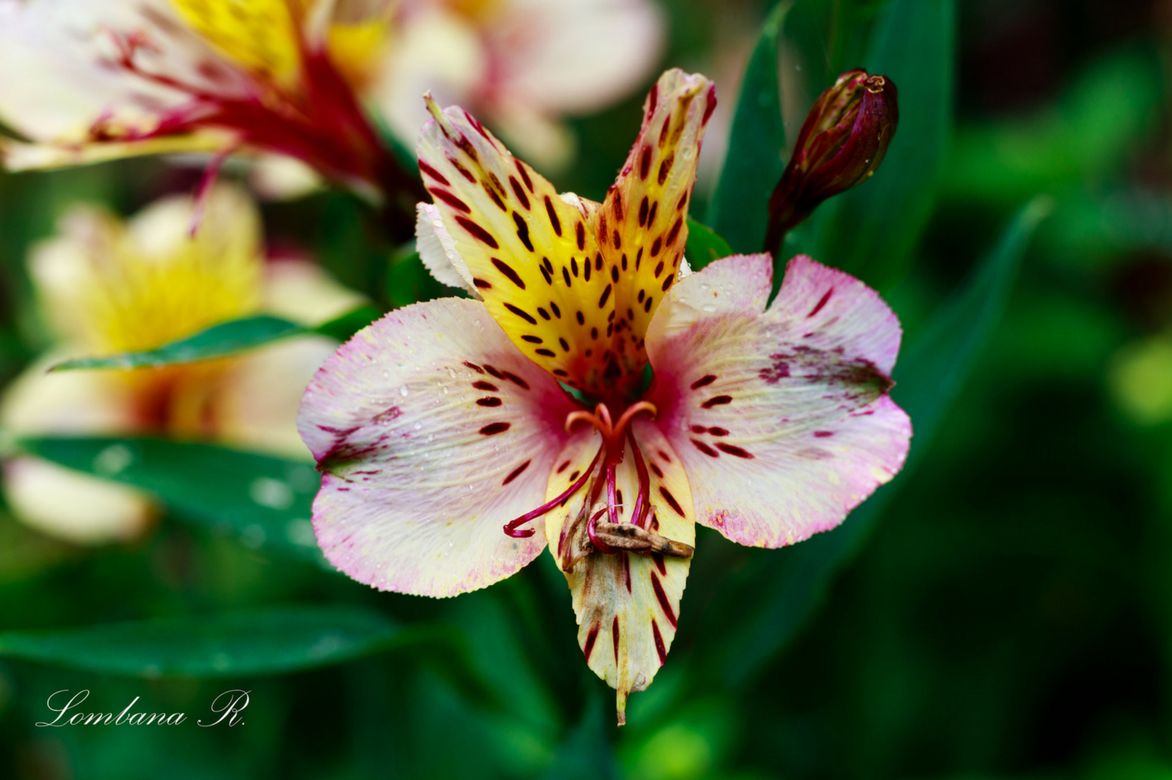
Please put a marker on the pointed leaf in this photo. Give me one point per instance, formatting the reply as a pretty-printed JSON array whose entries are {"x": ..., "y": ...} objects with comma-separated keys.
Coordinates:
[
  {"x": 267, "y": 641},
  {"x": 262, "y": 500},
  {"x": 227, "y": 338},
  {"x": 753, "y": 163}
]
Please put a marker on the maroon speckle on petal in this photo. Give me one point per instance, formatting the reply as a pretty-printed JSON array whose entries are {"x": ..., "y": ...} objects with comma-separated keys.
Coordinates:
[
  {"x": 388, "y": 414},
  {"x": 717, "y": 400},
  {"x": 733, "y": 449},
  {"x": 823, "y": 434},
  {"x": 705, "y": 448},
  {"x": 778, "y": 370},
  {"x": 494, "y": 428},
  {"x": 707, "y": 379},
  {"x": 477, "y": 232}
]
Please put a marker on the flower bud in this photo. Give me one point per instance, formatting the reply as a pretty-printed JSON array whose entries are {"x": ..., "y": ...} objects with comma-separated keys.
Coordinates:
[{"x": 841, "y": 144}]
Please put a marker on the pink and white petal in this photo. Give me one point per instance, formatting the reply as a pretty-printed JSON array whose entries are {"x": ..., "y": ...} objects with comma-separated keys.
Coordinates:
[
  {"x": 431, "y": 431},
  {"x": 437, "y": 250},
  {"x": 574, "y": 56},
  {"x": 627, "y": 604},
  {"x": 780, "y": 415}
]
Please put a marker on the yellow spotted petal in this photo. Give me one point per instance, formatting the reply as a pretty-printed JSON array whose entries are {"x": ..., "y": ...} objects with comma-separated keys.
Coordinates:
[
  {"x": 643, "y": 224},
  {"x": 529, "y": 252},
  {"x": 261, "y": 35},
  {"x": 627, "y": 604}
]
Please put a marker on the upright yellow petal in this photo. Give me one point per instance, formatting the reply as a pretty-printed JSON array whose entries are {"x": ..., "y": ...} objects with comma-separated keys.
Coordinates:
[
  {"x": 643, "y": 225},
  {"x": 529, "y": 252}
]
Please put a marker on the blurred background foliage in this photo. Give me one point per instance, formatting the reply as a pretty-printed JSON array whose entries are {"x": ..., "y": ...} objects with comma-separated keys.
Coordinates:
[{"x": 1002, "y": 610}]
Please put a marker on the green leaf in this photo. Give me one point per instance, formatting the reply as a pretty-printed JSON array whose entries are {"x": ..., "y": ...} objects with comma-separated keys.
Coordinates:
[
  {"x": 268, "y": 641},
  {"x": 877, "y": 225},
  {"x": 262, "y": 500},
  {"x": 704, "y": 245},
  {"x": 753, "y": 163},
  {"x": 930, "y": 373},
  {"x": 227, "y": 338}
]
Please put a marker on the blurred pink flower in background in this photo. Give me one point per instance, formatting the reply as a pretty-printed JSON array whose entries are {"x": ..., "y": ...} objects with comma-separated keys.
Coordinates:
[
  {"x": 104, "y": 79},
  {"x": 105, "y": 286},
  {"x": 519, "y": 64}
]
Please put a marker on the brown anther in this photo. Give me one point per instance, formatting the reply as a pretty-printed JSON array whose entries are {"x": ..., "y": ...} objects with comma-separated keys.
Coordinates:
[{"x": 632, "y": 538}]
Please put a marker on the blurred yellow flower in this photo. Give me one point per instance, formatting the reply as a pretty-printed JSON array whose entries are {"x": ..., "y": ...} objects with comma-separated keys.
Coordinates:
[{"x": 107, "y": 286}]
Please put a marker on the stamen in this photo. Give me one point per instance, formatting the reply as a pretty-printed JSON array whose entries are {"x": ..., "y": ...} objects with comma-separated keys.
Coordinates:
[
  {"x": 592, "y": 532},
  {"x": 643, "y": 498},
  {"x": 613, "y": 445},
  {"x": 642, "y": 406},
  {"x": 513, "y": 527}
]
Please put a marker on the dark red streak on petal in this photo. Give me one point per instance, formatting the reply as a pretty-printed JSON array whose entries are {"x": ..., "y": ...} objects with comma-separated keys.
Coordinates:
[
  {"x": 664, "y": 604},
  {"x": 821, "y": 302},
  {"x": 659, "y": 647},
  {"x": 588, "y": 645},
  {"x": 669, "y": 498}
]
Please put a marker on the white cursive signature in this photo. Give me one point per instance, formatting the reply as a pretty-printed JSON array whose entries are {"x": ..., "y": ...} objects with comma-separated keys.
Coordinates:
[{"x": 226, "y": 709}]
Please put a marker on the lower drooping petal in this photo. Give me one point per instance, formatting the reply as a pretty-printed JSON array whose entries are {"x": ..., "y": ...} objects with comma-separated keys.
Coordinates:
[
  {"x": 780, "y": 415},
  {"x": 431, "y": 431},
  {"x": 627, "y": 604}
]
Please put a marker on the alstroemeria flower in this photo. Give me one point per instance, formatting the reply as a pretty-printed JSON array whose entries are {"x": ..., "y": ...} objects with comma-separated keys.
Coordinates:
[
  {"x": 452, "y": 453},
  {"x": 107, "y": 286},
  {"x": 103, "y": 78}
]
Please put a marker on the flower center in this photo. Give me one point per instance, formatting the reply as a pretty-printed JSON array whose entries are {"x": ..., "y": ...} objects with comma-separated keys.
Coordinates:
[{"x": 604, "y": 469}]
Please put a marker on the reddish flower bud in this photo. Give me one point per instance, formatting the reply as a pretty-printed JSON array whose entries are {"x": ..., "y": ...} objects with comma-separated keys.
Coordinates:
[{"x": 841, "y": 144}]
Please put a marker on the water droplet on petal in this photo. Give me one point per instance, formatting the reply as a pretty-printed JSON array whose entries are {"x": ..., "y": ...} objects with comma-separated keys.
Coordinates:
[{"x": 113, "y": 460}]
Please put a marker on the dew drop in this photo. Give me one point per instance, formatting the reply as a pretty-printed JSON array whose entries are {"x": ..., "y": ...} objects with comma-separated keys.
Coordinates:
[
  {"x": 271, "y": 493},
  {"x": 113, "y": 459}
]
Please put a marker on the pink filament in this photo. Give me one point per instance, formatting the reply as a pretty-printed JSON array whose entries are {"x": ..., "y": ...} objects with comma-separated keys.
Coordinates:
[
  {"x": 513, "y": 527},
  {"x": 613, "y": 446}
]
